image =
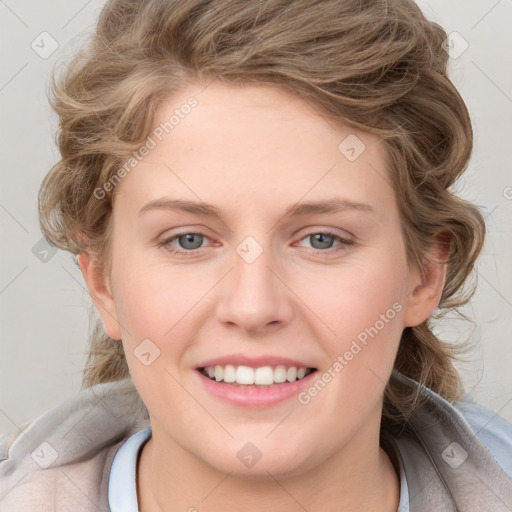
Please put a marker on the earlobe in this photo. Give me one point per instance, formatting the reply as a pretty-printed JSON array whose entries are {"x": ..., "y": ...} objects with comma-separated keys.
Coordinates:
[
  {"x": 101, "y": 294},
  {"x": 426, "y": 287}
]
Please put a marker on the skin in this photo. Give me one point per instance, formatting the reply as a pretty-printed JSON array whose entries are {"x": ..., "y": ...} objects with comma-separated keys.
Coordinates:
[{"x": 253, "y": 151}]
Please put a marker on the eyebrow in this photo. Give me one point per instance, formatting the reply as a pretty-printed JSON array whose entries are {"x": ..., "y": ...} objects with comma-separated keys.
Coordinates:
[{"x": 305, "y": 208}]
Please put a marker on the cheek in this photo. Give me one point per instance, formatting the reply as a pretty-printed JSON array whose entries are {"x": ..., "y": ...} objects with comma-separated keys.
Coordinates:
[
  {"x": 363, "y": 309},
  {"x": 153, "y": 299},
  {"x": 155, "y": 307},
  {"x": 354, "y": 298}
]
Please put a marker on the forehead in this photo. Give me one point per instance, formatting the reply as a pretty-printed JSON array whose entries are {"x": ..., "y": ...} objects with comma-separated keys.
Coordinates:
[{"x": 255, "y": 142}]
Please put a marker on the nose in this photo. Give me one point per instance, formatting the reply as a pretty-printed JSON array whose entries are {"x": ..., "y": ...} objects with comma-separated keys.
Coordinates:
[{"x": 255, "y": 295}]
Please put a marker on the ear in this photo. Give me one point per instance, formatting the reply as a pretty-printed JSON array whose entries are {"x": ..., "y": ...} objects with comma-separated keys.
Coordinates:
[
  {"x": 100, "y": 290},
  {"x": 427, "y": 284}
]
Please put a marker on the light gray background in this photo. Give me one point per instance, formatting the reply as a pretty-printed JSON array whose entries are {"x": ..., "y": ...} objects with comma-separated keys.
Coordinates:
[{"x": 44, "y": 306}]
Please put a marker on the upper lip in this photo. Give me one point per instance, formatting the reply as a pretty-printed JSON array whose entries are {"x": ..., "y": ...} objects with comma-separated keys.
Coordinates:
[{"x": 253, "y": 362}]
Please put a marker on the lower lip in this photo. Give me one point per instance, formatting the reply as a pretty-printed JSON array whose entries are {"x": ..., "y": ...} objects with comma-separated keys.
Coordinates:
[{"x": 255, "y": 396}]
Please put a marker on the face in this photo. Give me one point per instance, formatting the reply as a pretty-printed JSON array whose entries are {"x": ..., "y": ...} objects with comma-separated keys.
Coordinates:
[{"x": 260, "y": 238}]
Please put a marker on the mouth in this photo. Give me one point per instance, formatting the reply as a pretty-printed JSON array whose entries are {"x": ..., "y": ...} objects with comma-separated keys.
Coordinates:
[{"x": 260, "y": 377}]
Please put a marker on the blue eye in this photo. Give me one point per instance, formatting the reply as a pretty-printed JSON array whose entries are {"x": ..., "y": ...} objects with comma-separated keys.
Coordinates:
[
  {"x": 189, "y": 243},
  {"x": 190, "y": 240},
  {"x": 322, "y": 241}
]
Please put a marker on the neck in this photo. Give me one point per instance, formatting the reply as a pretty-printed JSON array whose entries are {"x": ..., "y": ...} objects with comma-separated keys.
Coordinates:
[{"x": 358, "y": 477}]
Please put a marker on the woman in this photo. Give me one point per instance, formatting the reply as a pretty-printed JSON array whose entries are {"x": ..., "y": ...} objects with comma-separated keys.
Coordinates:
[{"x": 259, "y": 198}]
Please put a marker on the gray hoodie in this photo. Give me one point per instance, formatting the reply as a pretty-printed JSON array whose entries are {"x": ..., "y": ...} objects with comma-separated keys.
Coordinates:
[{"x": 455, "y": 458}]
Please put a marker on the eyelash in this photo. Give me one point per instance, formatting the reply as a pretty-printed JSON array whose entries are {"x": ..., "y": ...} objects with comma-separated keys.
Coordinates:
[{"x": 192, "y": 252}]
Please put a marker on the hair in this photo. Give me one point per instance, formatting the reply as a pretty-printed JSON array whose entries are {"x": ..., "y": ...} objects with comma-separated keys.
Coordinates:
[{"x": 377, "y": 65}]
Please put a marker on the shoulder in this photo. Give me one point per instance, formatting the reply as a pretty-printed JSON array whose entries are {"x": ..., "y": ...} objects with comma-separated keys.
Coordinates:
[
  {"x": 62, "y": 459},
  {"x": 493, "y": 431},
  {"x": 482, "y": 430},
  {"x": 455, "y": 455}
]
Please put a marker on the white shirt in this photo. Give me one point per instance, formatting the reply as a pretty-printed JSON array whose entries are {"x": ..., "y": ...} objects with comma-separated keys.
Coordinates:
[{"x": 122, "y": 486}]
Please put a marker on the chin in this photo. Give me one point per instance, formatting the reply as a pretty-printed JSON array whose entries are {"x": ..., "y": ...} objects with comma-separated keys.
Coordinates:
[{"x": 248, "y": 461}]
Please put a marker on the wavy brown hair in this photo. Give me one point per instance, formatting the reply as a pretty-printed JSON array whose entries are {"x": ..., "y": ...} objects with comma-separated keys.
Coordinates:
[{"x": 378, "y": 65}]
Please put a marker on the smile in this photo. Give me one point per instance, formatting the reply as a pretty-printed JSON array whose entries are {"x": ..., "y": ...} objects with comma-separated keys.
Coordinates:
[{"x": 262, "y": 376}]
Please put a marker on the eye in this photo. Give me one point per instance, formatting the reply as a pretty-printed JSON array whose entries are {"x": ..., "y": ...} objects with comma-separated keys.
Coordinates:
[
  {"x": 190, "y": 242},
  {"x": 322, "y": 241}
]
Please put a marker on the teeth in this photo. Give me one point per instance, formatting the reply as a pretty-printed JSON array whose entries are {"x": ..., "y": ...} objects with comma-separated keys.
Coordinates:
[
  {"x": 291, "y": 374},
  {"x": 280, "y": 374},
  {"x": 244, "y": 375},
  {"x": 262, "y": 376},
  {"x": 229, "y": 373}
]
